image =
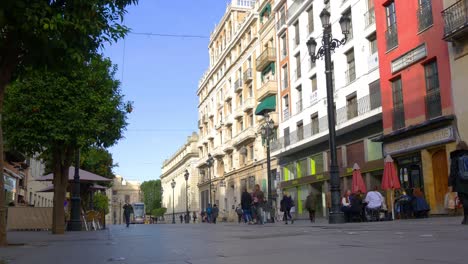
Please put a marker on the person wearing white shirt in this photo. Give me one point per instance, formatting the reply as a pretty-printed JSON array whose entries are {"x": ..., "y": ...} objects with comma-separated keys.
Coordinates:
[{"x": 374, "y": 199}]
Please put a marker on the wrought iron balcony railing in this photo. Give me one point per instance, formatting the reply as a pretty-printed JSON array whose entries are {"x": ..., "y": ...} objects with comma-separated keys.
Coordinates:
[
  {"x": 267, "y": 56},
  {"x": 398, "y": 117},
  {"x": 456, "y": 20},
  {"x": 433, "y": 104}
]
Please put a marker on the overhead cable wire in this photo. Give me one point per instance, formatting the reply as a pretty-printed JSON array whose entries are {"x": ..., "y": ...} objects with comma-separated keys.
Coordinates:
[{"x": 168, "y": 35}]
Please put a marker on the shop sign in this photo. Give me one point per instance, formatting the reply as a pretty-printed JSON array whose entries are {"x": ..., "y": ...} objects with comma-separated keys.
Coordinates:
[
  {"x": 409, "y": 58},
  {"x": 439, "y": 136},
  {"x": 10, "y": 183}
]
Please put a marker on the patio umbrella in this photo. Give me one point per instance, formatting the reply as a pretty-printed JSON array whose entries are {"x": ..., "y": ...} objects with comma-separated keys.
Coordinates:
[
  {"x": 85, "y": 176},
  {"x": 390, "y": 180},
  {"x": 358, "y": 182}
]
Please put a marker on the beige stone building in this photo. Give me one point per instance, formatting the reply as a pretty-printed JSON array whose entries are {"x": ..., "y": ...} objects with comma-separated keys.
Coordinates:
[
  {"x": 455, "y": 17},
  {"x": 185, "y": 193},
  {"x": 241, "y": 74},
  {"x": 122, "y": 191}
]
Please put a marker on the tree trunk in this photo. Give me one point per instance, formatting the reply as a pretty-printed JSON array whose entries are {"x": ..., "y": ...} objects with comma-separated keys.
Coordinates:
[
  {"x": 3, "y": 208},
  {"x": 62, "y": 161}
]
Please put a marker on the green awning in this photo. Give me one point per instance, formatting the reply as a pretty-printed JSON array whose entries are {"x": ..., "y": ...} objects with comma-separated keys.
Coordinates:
[
  {"x": 265, "y": 11},
  {"x": 266, "y": 106}
]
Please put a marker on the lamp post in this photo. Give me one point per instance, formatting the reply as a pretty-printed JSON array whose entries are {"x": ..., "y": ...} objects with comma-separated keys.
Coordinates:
[
  {"x": 209, "y": 163},
  {"x": 329, "y": 44},
  {"x": 173, "y": 198},
  {"x": 267, "y": 135},
  {"x": 75, "y": 221},
  {"x": 187, "y": 219}
]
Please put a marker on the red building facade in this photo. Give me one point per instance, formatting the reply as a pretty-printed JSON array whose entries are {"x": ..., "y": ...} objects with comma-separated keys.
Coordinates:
[{"x": 418, "y": 121}]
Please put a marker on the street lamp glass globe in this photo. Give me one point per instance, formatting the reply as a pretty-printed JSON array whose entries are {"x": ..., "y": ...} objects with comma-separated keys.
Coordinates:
[
  {"x": 186, "y": 175},
  {"x": 311, "y": 46},
  {"x": 173, "y": 184},
  {"x": 325, "y": 18},
  {"x": 345, "y": 23}
]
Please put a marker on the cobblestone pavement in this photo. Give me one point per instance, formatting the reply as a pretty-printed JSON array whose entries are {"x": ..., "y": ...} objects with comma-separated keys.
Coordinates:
[{"x": 434, "y": 240}]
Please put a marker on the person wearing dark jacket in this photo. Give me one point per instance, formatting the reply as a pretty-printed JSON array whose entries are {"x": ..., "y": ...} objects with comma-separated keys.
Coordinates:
[
  {"x": 455, "y": 180},
  {"x": 286, "y": 205},
  {"x": 310, "y": 206},
  {"x": 214, "y": 213},
  {"x": 128, "y": 210},
  {"x": 246, "y": 204}
]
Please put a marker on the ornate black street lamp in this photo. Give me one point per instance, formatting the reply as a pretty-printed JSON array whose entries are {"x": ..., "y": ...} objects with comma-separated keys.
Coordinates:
[
  {"x": 267, "y": 135},
  {"x": 329, "y": 44},
  {"x": 187, "y": 219},
  {"x": 209, "y": 163},
  {"x": 173, "y": 198},
  {"x": 75, "y": 220}
]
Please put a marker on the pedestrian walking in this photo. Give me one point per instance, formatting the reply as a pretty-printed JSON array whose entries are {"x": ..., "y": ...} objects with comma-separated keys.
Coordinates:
[
  {"x": 246, "y": 204},
  {"x": 286, "y": 205},
  {"x": 128, "y": 210},
  {"x": 258, "y": 200},
  {"x": 239, "y": 213},
  {"x": 194, "y": 217},
  {"x": 181, "y": 217},
  {"x": 458, "y": 178},
  {"x": 209, "y": 211},
  {"x": 214, "y": 213},
  {"x": 310, "y": 206}
]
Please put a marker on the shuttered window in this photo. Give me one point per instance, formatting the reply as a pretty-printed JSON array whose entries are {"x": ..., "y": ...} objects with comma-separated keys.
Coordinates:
[{"x": 355, "y": 154}]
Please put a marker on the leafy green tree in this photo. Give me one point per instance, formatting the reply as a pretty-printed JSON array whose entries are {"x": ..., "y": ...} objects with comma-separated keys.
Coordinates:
[
  {"x": 97, "y": 160},
  {"x": 152, "y": 194},
  {"x": 56, "y": 114},
  {"x": 52, "y": 34},
  {"x": 101, "y": 204},
  {"x": 158, "y": 212}
]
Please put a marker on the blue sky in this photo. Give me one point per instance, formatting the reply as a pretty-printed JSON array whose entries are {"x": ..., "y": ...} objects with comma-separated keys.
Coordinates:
[{"x": 160, "y": 75}]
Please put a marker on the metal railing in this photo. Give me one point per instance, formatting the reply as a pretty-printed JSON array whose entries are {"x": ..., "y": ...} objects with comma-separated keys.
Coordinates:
[
  {"x": 433, "y": 104},
  {"x": 299, "y": 106},
  {"x": 391, "y": 37},
  {"x": 455, "y": 17},
  {"x": 238, "y": 85},
  {"x": 286, "y": 114},
  {"x": 424, "y": 14},
  {"x": 248, "y": 75},
  {"x": 357, "y": 108},
  {"x": 398, "y": 117},
  {"x": 369, "y": 17},
  {"x": 268, "y": 55},
  {"x": 350, "y": 74},
  {"x": 292, "y": 10}
]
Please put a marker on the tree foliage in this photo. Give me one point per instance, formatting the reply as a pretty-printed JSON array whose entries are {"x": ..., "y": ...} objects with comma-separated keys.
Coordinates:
[
  {"x": 64, "y": 112},
  {"x": 97, "y": 160},
  {"x": 158, "y": 212},
  {"x": 101, "y": 202},
  {"x": 152, "y": 194}
]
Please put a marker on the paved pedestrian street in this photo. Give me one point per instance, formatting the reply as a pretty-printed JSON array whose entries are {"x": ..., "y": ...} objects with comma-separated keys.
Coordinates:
[{"x": 434, "y": 240}]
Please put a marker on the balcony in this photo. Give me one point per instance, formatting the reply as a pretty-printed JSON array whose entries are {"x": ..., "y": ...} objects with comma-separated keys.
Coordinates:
[
  {"x": 281, "y": 23},
  {"x": 238, "y": 85},
  {"x": 267, "y": 56},
  {"x": 299, "y": 106},
  {"x": 369, "y": 18},
  {"x": 286, "y": 114},
  {"x": 246, "y": 135},
  {"x": 350, "y": 74},
  {"x": 398, "y": 117},
  {"x": 239, "y": 112},
  {"x": 268, "y": 88},
  {"x": 391, "y": 37},
  {"x": 313, "y": 98},
  {"x": 248, "y": 104},
  {"x": 456, "y": 21},
  {"x": 292, "y": 10},
  {"x": 433, "y": 104},
  {"x": 424, "y": 14},
  {"x": 358, "y": 108},
  {"x": 248, "y": 75},
  {"x": 228, "y": 120}
]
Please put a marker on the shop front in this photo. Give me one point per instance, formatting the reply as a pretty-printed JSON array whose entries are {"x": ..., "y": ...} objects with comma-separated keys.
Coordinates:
[{"x": 422, "y": 161}]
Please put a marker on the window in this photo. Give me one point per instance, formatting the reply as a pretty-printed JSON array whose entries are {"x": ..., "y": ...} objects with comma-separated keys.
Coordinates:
[
  {"x": 239, "y": 100},
  {"x": 316, "y": 164},
  {"x": 299, "y": 99},
  {"x": 313, "y": 80},
  {"x": 296, "y": 34},
  {"x": 310, "y": 15},
  {"x": 231, "y": 161},
  {"x": 298, "y": 66},
  {"x": 240, "y": 125},
  {"x": 251, "y": 153},
  {"x": 355, "y": 154},
  {"x": 314, "y": 123},
  {"x": 351, "y": 106},
  {"x": 433, "y": 104},
  {"x": 348, "y": 14},
  {"x": 286, "y": 107},
  {"x": 351, "y": 72},
  {"x": 250, "y": 91},
  {"x": 424, "y": 14},
  {"x": 286, "y": 137},
  {"x": 300, "y": 131},
  {"x": 391, "y": 34},
  {"x": 284, "y": 48},
  {"x": 221, "y": 137},
  {"x": 251, "y": 120},
  {"x": 285, "y": 77},
  {"x": 372, "y": 43},
  {"x": 374, "y": 93},
  {"x": 398, "y": 108}
]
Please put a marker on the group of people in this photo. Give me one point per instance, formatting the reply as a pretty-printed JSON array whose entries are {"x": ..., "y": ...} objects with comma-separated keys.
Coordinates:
[
  {"x": 211, "y": 214},
  {"x": 252, "y": 206},
  {"x": 355, "y": 205}
]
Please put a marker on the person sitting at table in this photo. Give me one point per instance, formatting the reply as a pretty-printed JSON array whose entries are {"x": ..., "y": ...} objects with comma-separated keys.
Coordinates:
[
  {"x": 420, "y": 207},
  {"x": 374, "y": 202},
  {"x": 346, "y": 205}
]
